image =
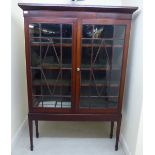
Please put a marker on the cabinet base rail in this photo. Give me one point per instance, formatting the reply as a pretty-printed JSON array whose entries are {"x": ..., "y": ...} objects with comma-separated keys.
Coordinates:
[{"x": 74, "y": 117}]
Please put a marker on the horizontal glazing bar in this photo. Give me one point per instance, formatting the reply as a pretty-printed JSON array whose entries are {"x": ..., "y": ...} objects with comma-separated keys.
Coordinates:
[
  {"x": 99, "y": 96},
  {"x": 67, "y": 96}
]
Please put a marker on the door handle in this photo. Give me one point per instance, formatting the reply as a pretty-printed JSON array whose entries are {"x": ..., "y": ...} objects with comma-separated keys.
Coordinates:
[{"x": 78, "y": 69}]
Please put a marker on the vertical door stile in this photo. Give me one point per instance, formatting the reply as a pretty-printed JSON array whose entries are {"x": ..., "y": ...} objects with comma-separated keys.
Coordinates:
[
  {"x": 28, "y": 66},
  {"x": 78, "y": 59},
  {"x": 74, "y": 48},
  {"x": 124, "y": 64}
]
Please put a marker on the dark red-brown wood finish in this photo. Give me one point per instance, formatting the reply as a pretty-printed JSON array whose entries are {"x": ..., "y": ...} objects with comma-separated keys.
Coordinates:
[
  {"x": 76, "y": 15},
  {"x": 75, "y": 7}
]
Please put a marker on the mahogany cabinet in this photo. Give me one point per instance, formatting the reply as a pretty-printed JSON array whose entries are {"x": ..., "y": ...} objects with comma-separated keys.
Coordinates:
[{"x": 76, "y": 59}]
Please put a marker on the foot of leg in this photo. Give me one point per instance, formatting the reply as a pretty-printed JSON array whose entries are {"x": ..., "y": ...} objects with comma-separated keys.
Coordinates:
[
  {"x": 31, "y": 148},
  {"x": 31, "y": 133},
  {"x": 116, "y": 147},
  {"x": 117, "y": 133},
  {"x": 37, "y": 132},
  {"x": 111, "y": 130}
]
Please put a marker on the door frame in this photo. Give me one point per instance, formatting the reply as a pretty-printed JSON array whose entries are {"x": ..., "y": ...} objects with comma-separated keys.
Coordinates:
[
  {"x": 27, "y": 21},
  {"x": 104, "y": 21}
]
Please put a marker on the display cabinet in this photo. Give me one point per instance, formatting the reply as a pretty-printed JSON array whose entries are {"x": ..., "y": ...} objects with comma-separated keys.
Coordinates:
[{"x": 76, "y": 59}]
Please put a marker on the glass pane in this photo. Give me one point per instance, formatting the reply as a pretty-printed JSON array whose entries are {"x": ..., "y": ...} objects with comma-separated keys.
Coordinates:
[
  {"x": 67, "y": 41},
  {"x": 117, "y": 57},
  {"x": 85, "y": 76},
  {"x": 98, "y": 102},
  {"x": 86, "y": 42},
  {"x": 102, "y": 56},
  {"x": 66, "y": 56},
  {"x": 103, "y": 31},
  {"x": 115, "y": 75},
  {"x": 85, "y": 90},
  {"x": 49, "y": 40},
  {"x": 103, "y": 42},
  {"x": 100, "y": 77},
  {"x": 35, "y": 56},
  {"x": 51, "y": 61},
  {"x": 37, "y": 101},
  {"x": 50, "y": 30},
  {"x": 119, "y": 31},
  {"x": 66, "y": 31},
  {"x": 101, "y": 60},
  {"x": 51, "y": 102},
  {"x": 56, "y": 102},
  {"x": 66, "y": 77},
  {"x": 34, "y": 30},
  {"x": 87, "y": 31},
  {"x": 118, "y": 43},
  {"x": 85, "y": 57}
]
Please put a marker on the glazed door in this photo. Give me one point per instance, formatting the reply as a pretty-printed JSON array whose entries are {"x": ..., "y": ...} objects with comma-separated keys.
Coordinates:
[
  {"x": 99, "y": 65},
  {"x": 52, "y": 68}
]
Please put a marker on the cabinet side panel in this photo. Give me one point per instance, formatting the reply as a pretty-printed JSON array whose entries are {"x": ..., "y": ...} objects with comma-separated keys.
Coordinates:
[
  {"x": 124, "y": 65},
  {"x": 27, "y": 55}
]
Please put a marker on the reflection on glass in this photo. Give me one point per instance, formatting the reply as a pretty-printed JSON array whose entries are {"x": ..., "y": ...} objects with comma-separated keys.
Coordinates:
[
  {"x": 51, "y": 102},
  {"x": 117, "y": 57},
  {"x": 103, "y": 31},
  {"x": 50, "y": 30},
  {"x": 118, "y": 42},
  {"x": 119, "y": 31},
  {"x": 115, "y": 75},
  {"x": 87, "y": 31},
  {"x": 34, "y": 30},
  {"x": 98, "y": 31}
]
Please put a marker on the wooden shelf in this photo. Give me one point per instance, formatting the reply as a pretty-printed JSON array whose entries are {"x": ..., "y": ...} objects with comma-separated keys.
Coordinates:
[
  {"x": 51, "y": 83},
  {"x": 66, "y": 96},
  {"x": 49, "y": 37},
  {"x": 69, "y": 96},
  {"x": 105, "y": 39},
  {"x": 86, "y": 83},
  {"x": 70, "y": 45},
  {"x": 53, "y": 66},
  {"x": 98, "y": 45},
  {"x": 47, "y": 43},
  {"x": 68, "y": 67},
  {"x": 99, "y": 67},
  {"x": 99, "y": 83},
  {"x": 98, "y": 96}
]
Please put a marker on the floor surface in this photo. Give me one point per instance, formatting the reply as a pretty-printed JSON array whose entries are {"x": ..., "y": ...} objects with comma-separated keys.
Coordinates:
[{"x": 69, "y": 138}]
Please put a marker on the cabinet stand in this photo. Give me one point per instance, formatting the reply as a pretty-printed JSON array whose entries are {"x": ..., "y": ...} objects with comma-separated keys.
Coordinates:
[{"x": 73, "y": 117}]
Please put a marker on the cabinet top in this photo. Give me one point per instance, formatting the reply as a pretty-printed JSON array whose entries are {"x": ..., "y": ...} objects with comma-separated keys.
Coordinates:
[{"x": 75, "y": 7}]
